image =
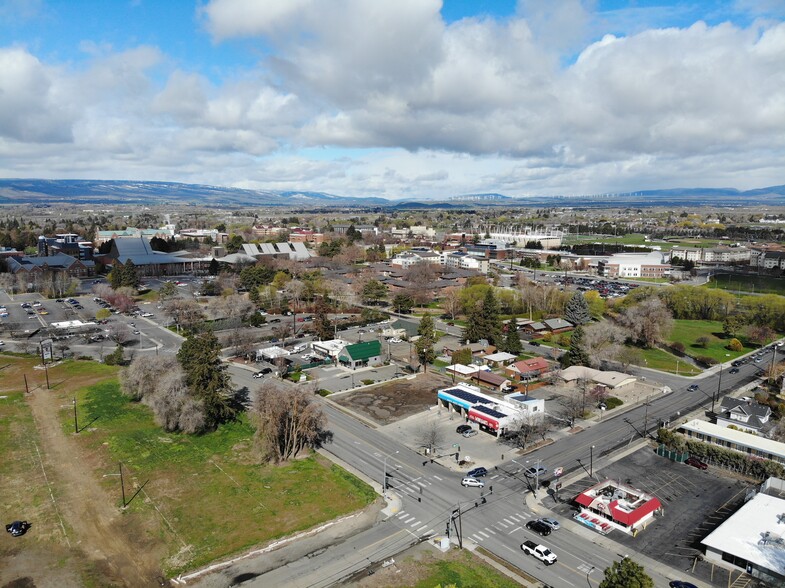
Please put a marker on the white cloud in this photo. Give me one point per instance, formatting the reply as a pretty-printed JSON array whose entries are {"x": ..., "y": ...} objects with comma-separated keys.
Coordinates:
[{"x": 403, "y": 104}]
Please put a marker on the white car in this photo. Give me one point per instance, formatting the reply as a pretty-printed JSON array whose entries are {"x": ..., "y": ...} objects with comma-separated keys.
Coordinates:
[
  {"x": 396, "y": 340},
  {"x": 473, "y": 482}
]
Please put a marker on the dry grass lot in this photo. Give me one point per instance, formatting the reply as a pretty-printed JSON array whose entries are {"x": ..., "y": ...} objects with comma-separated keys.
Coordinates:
[
  {"x": 393, "y": 401},
  {"x": 200, "y": 498}
]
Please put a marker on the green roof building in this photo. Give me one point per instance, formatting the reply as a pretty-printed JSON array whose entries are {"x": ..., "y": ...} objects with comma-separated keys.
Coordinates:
[{"x": 361, "y": 354}]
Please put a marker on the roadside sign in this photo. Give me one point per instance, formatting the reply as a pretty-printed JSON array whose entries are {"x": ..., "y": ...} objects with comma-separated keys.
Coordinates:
[
  {"x": 558, "y": 472},
  {"x": 46, "y": 350}
]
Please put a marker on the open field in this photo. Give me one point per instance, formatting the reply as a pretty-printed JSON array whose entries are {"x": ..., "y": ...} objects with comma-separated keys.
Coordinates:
[
  {"x": 751, "y": 283},
  {"x": 190, "y": 499},
  {"x": 688, "y": 332}
]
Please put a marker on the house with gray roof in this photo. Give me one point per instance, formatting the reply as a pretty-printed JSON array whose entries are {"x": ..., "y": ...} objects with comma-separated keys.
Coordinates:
[{"x": 745, "y": 415}]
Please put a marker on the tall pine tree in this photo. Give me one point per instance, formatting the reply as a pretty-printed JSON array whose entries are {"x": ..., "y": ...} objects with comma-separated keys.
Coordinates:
[
  {"x": 577, "y": 310},
  {"x": 512, "y": 342},
  {"x": 483, "y": 321},
  {"x": 207, "y": 378},
  {"x": 576, "y": 354},
  {"x": 427, "y": 339}
]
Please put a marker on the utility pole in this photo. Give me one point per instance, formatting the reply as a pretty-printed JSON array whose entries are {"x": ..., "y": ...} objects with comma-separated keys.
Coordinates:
[
  {"x": 122, "y": 484},
  {"x": 719, "y": 390},
  {"x": 646, "y": 416},
  {"x": 76, "y": 419}
]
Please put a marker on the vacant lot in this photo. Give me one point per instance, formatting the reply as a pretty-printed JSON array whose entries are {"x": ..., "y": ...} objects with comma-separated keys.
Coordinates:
[
  {"x": 393, "y": 401},
  {"x": 688, "y": 332},
  {"x": 190, "y": 499}
]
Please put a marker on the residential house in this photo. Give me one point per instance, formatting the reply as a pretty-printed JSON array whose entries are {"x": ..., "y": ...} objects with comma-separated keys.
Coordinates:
[
  {"x": 746, "y": 415},
  {"x": 499, "y": 358},
  {"x": 527, "y": 370}
]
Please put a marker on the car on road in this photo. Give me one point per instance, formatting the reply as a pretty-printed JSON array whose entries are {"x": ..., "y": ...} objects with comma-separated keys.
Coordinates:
[
  {"x": 473, "y": 482},
  {"x": 2, "y": 343},
  {"x": 681, "y": 584},
  {"x": 734, "y": 370},
  {"x": 263, "y": 372},
  {"x": 541, "y": 552},
  {"x": 469, "y": 433},
  {"x": 477, "y": 473},
  {"x": 396, "y": 340},
  {"x": 534, "y": 343},
  {"x": 696, "y": 463},
  {"x": 534, "y": 471},
  {"x": 146, "y": 314},
  {"x": 17, "y": 528},
  {"x": 137, "y": 332},
  {"x": 692, "y": 387},
  {"x": 537, "y": 526},
  {"x": 463, "y": 428},
  {"x": 551, "y": 522}
]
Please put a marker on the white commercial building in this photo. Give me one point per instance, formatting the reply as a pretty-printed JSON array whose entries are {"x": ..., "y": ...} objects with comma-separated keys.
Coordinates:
[{"x": 752, "y": 539}]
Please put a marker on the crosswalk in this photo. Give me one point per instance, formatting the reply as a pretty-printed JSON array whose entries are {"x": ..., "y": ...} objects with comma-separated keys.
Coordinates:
[
  {"x": 506, "y": 525},
  {"x": 414, "y": 525}
]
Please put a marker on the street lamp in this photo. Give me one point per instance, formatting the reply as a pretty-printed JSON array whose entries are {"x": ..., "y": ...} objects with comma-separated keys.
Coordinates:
[
  {"x": 587, "y": 575},
  {"x": 384, "y": 477},
  {"x": 719, "y": 390},
  {"x": 536, "y": 476}
]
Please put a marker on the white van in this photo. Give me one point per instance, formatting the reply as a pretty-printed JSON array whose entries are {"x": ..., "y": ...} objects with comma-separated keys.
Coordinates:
[{"x": 299, "y": 348}]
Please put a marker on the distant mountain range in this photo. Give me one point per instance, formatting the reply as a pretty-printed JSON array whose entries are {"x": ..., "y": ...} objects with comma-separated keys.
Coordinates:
[{"x": 101, "y": 192}]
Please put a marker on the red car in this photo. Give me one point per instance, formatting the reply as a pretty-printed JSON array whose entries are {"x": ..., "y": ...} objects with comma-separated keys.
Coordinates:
[{"x": 696, "y": 463}]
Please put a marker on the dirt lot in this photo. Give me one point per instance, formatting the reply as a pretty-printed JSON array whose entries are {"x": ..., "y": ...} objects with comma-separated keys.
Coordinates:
[
  {"x": 393, "y": 401},
  {"x": 79, "y": 536}
]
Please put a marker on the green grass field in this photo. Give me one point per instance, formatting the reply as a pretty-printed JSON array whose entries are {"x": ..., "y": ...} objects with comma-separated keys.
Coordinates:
[
  {"x": 218, "y": 499},
  {"x": 752, "y": 284},
  {"x": 464, "y": 571},
  {"x": 687, "y": 332},
  {"x": 659, "y": 359}
]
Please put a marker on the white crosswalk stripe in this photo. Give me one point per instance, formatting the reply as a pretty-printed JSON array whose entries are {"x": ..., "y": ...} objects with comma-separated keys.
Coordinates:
[
  {"x": 491, "y": 531},
  {"x": 477, "y": 539},
  {"x": 409, "y": 520},
  {"x": 483, "y": 534},
  {"x": 517, "y": 520},
  {"x": 415, "y": 523},
  {"x": 502, "y": 524}
]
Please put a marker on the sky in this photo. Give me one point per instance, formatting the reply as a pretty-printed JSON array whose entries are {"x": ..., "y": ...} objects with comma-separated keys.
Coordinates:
[{"x": 412, "y": 99}]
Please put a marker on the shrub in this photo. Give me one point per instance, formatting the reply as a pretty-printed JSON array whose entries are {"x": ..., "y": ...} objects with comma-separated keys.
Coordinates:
[
  {"x": 367, "y": 382},
  {"x": 678, "y": 346},
  {"x": 703, "y": 341},
  {"x": 735, "y": 345},
  {"x": 322, "y": 392},
  {"x": 706, "y": 360},
  {"x": 547, "y": 337},
  {"x": 613, "y": 402}
]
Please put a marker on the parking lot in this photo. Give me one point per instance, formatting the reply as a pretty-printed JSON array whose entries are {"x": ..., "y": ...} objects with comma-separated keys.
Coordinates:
[{"x": 695, "y": 502}]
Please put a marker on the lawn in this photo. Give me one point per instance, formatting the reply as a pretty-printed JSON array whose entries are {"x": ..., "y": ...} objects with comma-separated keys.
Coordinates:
[
  {"x": 215, "y": 496},
  {"x": 688, "y": 332},
  {"x": 752, "y": 283},
  {"x": 659, "y": 359},
  {"x": 464, "y": 571}
]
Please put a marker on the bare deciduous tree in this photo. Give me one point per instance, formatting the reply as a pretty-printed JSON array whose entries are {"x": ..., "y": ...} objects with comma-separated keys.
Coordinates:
[
  {"x": 119, "y": 332},
  {"x": 451, "y": 301},
  {"x": 430, "y": 436},
  {"x": 139, "y": 379},
  {"x": 648, "y": 322},
  {"x": 288, "y": 420},
  {"x": 603, "y": 342},
  {"x": 571, "y": 406}
]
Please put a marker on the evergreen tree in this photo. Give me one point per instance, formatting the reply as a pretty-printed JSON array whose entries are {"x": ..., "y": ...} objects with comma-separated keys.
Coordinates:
[
  {"x": 130, "y": 275},
  {"x": 483, "y": 321},
  {"x": 214, "y": 268},
  {"x": 512, "y": 342},
  {"x": 206, "y": 377},
  {"x": 626, "y": 574},
  {"x": 577, "y": 310},
  {"x": 424, "y": 345},
  {"x": 576, "y": 354},
  {"x": 322, "y": 326}
]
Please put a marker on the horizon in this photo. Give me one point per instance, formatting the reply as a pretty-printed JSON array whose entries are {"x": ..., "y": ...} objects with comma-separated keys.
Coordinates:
[{"x": 401, "y": 100}]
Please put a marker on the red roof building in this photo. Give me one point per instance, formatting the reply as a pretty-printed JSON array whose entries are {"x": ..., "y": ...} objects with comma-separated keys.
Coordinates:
[
  {"x": 610, "y": 505},
  {"x": 528, "y": 368}
]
